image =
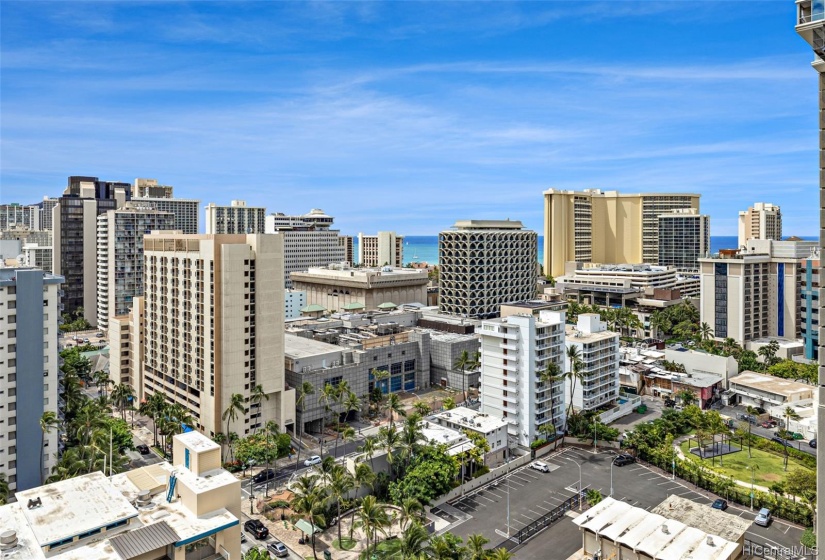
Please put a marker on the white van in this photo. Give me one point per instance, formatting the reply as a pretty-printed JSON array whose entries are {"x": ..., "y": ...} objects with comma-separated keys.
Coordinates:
[{"x": 539, "y": 466}]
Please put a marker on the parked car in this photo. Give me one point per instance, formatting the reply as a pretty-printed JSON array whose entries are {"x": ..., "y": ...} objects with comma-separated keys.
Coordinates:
[
  {"x": 812, "y": 443},
  {"x": 256, "y": 529},
  {"x": 314, "y": 460},
  {"x": 720, "y": 504},
  {"x": 85, "y": 341},
  {"x": 99, "y": 335},
  {"x": 623, "y": 459},
  {"x": 782, "y": 441},
  {"x": 763, "y": 518},
  {"x": 143, "y": 449},
  {"x": 797, "y": 435},
  {"x": 540, "y": 466},
  {"x": 278, "y": 549},
  {"x": 263, "y": 476},
  {"x": 670, "y": 403},
  {"x": 768, "y": 424},
  {"x": 243, "y": 537}
]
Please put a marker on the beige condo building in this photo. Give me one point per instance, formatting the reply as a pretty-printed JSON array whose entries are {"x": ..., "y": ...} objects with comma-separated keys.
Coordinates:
[
  {"x": 384, "y": 249},
  {"x": 210, "y": 325},
  {"x": 607, "y": 227},
  {"x": 763, "y": 220}
]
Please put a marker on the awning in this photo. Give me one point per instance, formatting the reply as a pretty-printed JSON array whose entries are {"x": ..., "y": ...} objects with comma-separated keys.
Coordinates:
[
  {"x": 387, "y": 305},
  {"x": 305, "y": 527},
  {"x": 144, "y": 539},
  {"x": 353, "y": 306},
  {"x": 314, "y": 308}
]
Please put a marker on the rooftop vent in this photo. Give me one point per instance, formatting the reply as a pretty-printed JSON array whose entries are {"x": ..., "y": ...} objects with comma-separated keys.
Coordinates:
[
  {"x": 710, "y": 541},
  {"x": 8, "y": 540},
  {"x": 34, "y": 503},
  {"x": 144, "y": 498},
  {"x": 665, "y": 530}
]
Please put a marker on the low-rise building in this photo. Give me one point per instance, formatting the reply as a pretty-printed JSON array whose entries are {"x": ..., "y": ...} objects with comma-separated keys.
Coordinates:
[
  {"x": 493, "y": 428},
  {"x": 294, "y": 301},
  {"x": 700, "y": 362},
  {"x": 342, "y": 288},
  {"x": 677, "y": 529},
  {"x": 706, "y": 387},
  {"x": 763, "y": 391},
  {"x": 162, "y": 511}
]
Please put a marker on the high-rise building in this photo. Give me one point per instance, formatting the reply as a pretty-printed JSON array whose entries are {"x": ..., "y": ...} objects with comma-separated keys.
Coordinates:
[
  {"x": 484, "y": 263},
  {"x": 35, "y": 246},
  {"x": 515, "y": 351},
  {"x": 212, "y": 330},
  {"x": 605, "y": 227},
  {"x": 309, "y": 241},
  {"x": 386, "y": 248},
  {"x": 46, "y": 209},
  {"x": 598, "y": 351},
  {"x": 810, "y": 24},
  {"x": 346, "y": 243},
  {"x": 235, "y": 218},
  {"x": 149, "y": 188},
  {"x": 185, "y": 211},
  {"x": 29, "y": 312},
  {"x": 761, "y": 221},
  {"x": 74, "y": 236},
  {"x": 754, "y": 292},
  {"x": 294, "y": 301},
  {"x": 120, "y": 256},
  {"x": 809, "y": 282},
  {"x": 684, "y": 236},
  {"x": 18, "y": 215}
]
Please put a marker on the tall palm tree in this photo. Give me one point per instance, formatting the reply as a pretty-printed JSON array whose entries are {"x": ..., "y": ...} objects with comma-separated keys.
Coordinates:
[
  {"x": 499, "y": 554},
  {"x": 394, "y": 406},
  {"x": 372, "y": 518},
  {"x": 413, "y": 544},
  {"x": 220, "y": 439},
  {"x": 339, "y": 486},
  {"x": 364, "y": 476},
  {"x": 705, "y": 331},
  {"x": 380, "y": 375},
  {"x": 305, "y": 389},
  {"x": 461, "y": 363},
  {"x": 752, "y": 411},
  {"x": 369, "y": 447},
  {"x": 272, "y": 430},
  {"x": 328, "y": 398},
  {"x": 48, "y": 422},
  {"x": 351, "y": 402},
  {"x": 308, "y": 504},
  {"x": 154, "y": 407},
  {"x": 256, "y": 396},
  {"x": 390, "y": 442},
  {"x": 411, "y": 511},
  {"x": 573, "y": 375},
  {"x": 790, "y": 414},
  {"x": 475, "y": 547},
  {"x": 234, "y": 409}
]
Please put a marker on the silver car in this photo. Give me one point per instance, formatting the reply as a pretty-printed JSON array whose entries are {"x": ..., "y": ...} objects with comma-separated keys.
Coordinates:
[{"x": 763, "y": 518}]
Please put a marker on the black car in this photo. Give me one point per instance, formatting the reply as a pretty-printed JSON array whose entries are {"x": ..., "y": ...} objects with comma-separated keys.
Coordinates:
[
  {"x": 623, "y": 459},
  {"x": 720, "y": 504},
  {"x": 263, "y": 476},
  {"x": 143, "y": 449},
  {"x": 782, "y": 441},
  {"x": 256, "y": 529},
  {"x": 812, "y": 443},
  {"x": 670, "y": 403}
]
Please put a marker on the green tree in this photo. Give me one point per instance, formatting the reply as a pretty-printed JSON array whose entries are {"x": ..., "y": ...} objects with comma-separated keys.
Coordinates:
[
  {"x": 500, "y": 554},
  {"x": 308, "y": 504},
  {"x": 430, "y": 475},
  {"x": 449, "y": 403},
  {"x": 572, "y": 376},
  {"x": 705, "y": 331},
  {"x": 48, "y": 422},
  {"x": 790, "y": 414},
  {"x": 154, "y": 408},
  {"x": 593, "y": 497},
  {"x": 748, "y": 361},
  {"x": 799, "y": 481},
  {"x": 393, "y": 406},
  {"x": 461, "y": 363},
  {"x": 687, "y": 397},
  {"x": 475, "y": 547},
  {"x": 305, "y": 389},
  {"x": 371, "y": 518},
  {"x": 256, "y": 396},
  {"x": 446, "y": 546},
  {"x": 4, "y": 489},
  {"x": 256, "y": 554},
  {"x": 338, "y": 486},
  {"x": 768, "y": 353}
]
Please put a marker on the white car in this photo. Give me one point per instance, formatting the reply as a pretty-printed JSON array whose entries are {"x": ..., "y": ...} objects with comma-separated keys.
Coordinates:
[
  {"x": 540, "y": 466},
  {"x": 314, "y": 460}
]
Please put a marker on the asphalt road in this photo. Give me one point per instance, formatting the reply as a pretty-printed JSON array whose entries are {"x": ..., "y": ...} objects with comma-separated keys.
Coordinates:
[{"x": 532, "y": 494}]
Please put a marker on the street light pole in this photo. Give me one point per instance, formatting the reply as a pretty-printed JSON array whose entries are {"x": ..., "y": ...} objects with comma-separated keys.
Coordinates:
[
  {"x": 507, "y": 480},
  {"x": 611, "y": 477},
  {"x": 594, "y": 437},
  {"x": 579, "y": 489}
]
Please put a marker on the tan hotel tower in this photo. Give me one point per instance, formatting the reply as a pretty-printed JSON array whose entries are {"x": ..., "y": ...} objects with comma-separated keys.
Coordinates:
[
  {"x": 605, "y": 226},
  {"x": 210, "y": 325}
]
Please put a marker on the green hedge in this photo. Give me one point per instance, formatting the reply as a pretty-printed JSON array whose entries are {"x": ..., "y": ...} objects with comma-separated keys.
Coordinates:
[{"x": 805, "y": 459}]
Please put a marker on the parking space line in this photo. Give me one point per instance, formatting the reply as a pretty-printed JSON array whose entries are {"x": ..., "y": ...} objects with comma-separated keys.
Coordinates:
[{"x": 488, "y": 499}]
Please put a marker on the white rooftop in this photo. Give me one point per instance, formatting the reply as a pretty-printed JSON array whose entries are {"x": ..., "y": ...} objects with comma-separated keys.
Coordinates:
[
  {"x": 197, "y": 441},
  {"x": 472, "y": 419},
  {"x": 73, "y": 507}
]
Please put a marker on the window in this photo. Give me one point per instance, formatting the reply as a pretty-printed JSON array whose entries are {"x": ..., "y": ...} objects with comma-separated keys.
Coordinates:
[{"x": 395, "y": 368}]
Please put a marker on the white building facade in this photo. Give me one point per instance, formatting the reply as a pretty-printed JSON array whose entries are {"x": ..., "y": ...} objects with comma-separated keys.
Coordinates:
[
  {"x": 598, "y": 351},
  {"x": 237, "y": 218},
  {"x": 515, "y": 351}
]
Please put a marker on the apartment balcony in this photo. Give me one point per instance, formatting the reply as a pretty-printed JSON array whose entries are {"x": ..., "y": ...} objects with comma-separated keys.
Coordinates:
[
  {"x": 508, "y": 345},
  {"x": 509, "y": 367}
]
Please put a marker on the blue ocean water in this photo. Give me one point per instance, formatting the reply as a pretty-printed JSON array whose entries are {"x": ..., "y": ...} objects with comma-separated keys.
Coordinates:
[{"x": 424, "y": 248}]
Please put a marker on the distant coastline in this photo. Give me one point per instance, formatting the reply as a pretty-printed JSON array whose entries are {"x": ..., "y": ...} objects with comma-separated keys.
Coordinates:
[{"x": 424, "y": 248}]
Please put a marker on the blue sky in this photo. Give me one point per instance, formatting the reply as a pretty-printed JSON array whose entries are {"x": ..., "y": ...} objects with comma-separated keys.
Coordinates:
[{"x": 411, "y": 115}]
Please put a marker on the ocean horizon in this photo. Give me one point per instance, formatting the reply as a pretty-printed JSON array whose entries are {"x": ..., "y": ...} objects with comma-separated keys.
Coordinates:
[{"x": 424, "y": 248}]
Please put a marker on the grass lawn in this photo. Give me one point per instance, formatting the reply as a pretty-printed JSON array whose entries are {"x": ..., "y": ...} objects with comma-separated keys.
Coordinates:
[
  {"x": 735, "y": 464},
  {"x": 345, "y": 544}
]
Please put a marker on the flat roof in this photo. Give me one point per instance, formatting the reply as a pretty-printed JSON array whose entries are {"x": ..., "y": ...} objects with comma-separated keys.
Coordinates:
[
  {"x": 73, "y": 507},
  {"x": 296, "y": 347},
  {"x": 573, "y": 335},
  {"x": 197, "y": 441},
  {"x": 472, "y": 419},
  {"x": 488, "y": 224},
  {"x": 770, "y": 384},
  {"x": 703, "y": 517}
]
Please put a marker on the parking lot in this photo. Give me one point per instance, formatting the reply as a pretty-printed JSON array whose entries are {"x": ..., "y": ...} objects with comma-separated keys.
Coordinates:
[{"x": 533, "y": 494}]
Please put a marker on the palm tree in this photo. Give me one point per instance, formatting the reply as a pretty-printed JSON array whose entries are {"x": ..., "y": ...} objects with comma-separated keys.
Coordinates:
[
  {"x": 4, "y": 489},
  {"x": 101, "y": 379},
  {"x": 380, "y": 375},
  {"x": 393, "y": 406},
  {"x": 369, "y": 447},
  {"x": 256, "y": 554},
  {"x": 391, "y": 441},
  {"x": 272, "y": 429},
  {"x": 256, "y": 395},
  {"x": 475, "y": 547},
  {"x": 446, "y": 547},
  {"x": 328, "y": 397},
  {"x": 705, "y": 331},
  {"x": 364, "y": 476},
  {"x": 339, "y": 486},
  {"x": 752, "y": 411},
  {"x": 372, "y": 519},
  {"x": 232, "y": 439},
  {"x": 220, "y": 439},
  {"x": 790, "y": 414},
  {"x": 154, "y": 407},
  {"x": 347, "y": 435},
  {"x": 575, "y": 374},
  {"x": 48, "y": 422},
  {"x": 308, "y": 504},
  {"x": 235, "y": 408},
  {"x": 413, "y": 543},
  {"x": 500, "y": 554},
  {"x": 422, "y": 408},
  {"x": 305, "y": 389},
  {"x": 411, "y": 511},
  {"x": 462, "y": 362}
]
